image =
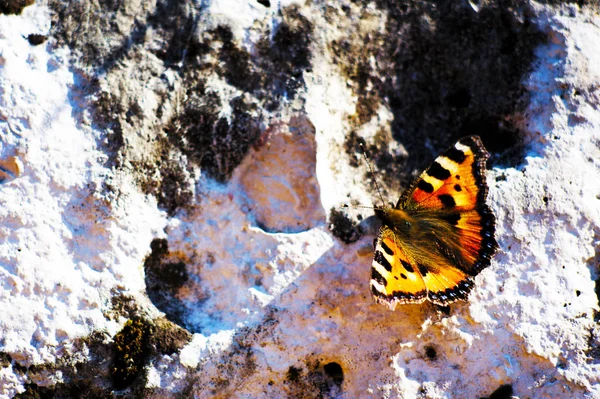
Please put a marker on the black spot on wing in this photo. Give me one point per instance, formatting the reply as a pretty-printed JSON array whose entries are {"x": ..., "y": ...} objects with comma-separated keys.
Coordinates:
[
  {"x": 438, "y": 171},
  {"x": 456, "y": 155},
  {"x": 447, "y": 200},
  {"x": 403, "y": 276},
  {"x": 379, "y": 258},
  {"x": 387, "y": 249},
  {"x": 378, "y": 277},
  {"x": 422, "y": 269},
  {"x": 423, "y": 185},
  {"x": 457, "y": 187},
  {"x": 407, "y": 266},
  {"x": 451, "y": 218}
]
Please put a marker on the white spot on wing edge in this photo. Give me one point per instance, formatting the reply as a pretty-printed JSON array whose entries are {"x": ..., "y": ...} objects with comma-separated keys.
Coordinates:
[
  {"x": 448, "y": 164},
  {"x": 464, "y": 148}
]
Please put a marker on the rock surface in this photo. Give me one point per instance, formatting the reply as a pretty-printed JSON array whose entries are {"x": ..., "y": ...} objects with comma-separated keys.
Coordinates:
[{"x": 172, "y": 175}]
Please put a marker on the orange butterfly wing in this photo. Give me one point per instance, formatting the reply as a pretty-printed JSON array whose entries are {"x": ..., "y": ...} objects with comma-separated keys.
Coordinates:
[
  {"x": 441, "y": 228},
  {"x": 393, "y": 279}
]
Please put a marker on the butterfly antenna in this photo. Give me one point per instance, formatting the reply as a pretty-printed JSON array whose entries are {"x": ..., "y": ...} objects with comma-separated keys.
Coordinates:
[
  {"x": 362, "y": 147},
  {"x": 357, "y": 206}
]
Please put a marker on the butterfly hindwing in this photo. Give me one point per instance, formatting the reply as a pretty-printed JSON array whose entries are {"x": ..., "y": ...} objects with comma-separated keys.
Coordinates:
[
  {"x": 393, "y": 279},
  {"x": 441, "y": 227}
]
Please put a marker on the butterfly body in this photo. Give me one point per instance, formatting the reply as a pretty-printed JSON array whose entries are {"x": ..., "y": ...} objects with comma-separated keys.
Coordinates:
[{"x": 439, "y": 235}]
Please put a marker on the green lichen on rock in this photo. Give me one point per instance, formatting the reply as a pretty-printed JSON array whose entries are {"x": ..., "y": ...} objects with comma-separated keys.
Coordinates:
[{"x": 131, "y": 352}]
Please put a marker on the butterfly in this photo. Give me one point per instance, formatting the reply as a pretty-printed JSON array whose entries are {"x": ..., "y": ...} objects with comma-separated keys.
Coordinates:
[{"x": 439, "y": 235}]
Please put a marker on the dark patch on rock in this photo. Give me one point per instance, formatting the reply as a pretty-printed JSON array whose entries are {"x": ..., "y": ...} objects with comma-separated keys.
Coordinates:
[
  {"x": 503, "y": 140},
  {"x": 99, "y": 33},
  {"x": 355, "y": 147},
  {"x": 166, "y": 174},
  {"x": 35, "y": 39},
  {"x": 87, "y": 380},
  {"x": 105, "y": 36},
  {"x": 213, "y": 142},
  {"x": 14, "y": 7},
  {"x": 174, "y": 22},
  {"x": 275, "y": 71},
  {"x": 334, "y": 371},
  {"x": 293, "y": 374},
  {"x": 131, "y": 352},
  {"x": 503, "y": 392},
  {"x": 168, "y": 337},
  {"x": 593, "y": 349},
  {"x": 164, "y": 277},
  {"x": 19, "y": 368},
  {"x": 343, "y": 227},
  {"x": 314, "y": 381},
  {"x": 5, "y": 360},
  {"x": 379, "y": 154},
  {"x": 34, "y": 391},
  {"x": 430, "y": 352},
  {"x": 236, "y": 65},
  {"x": 133, "y": 346},
  {"x": 175, "y": 188},
  {"x": 123, "y": 305},
  {"x": 445, "y": 71},
  {"x": 210, "y": 140},
  {"x": 106, "y": 117},
  {"x": 237, "y": 365},
  {"x": 443, "y": 309},
  {"x": 381, "y": 158},
  {"x": 285, "y": 59}
]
